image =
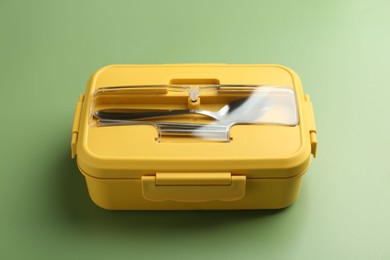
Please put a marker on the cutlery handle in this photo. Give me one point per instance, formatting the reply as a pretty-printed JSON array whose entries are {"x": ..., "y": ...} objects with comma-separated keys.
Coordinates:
[{"x": 123, "y": 114}]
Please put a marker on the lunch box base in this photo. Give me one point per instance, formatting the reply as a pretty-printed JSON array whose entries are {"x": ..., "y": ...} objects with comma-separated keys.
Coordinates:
[{"x": 126, "y": 194}]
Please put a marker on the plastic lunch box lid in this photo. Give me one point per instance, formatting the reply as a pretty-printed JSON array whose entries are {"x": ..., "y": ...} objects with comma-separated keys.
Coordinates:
[{"x": 256, "y": 150}]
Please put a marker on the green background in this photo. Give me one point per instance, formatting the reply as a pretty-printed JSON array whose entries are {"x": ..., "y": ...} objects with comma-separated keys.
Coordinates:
[{"x": 340, "y": 49}]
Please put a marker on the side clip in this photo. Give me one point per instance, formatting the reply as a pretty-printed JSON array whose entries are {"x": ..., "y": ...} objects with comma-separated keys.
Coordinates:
[
  {"x": 76, "y": 124},
  {"x": 312, "y": 125}
]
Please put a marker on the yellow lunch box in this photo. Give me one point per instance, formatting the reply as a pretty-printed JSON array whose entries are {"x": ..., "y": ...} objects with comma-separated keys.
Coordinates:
[{"x": 187, "y": 137}]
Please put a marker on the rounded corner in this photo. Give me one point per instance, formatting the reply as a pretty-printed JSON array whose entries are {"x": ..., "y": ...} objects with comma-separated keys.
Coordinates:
[
  {"x": 92, "y": 80},
  {"x": 90, "y": 163},
  {"x": 98, "y": 202},
  {"x": 106, "y": 67},
  {"x": 283, "y": 67},
  {"x": 299, "y": 161}
]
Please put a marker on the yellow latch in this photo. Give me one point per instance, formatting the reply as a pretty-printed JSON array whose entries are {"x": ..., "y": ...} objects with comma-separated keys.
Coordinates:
[
  {"x": 76, "y": 123},
  {"x": 193, "y": 187},
  {"x": 312, "y": 125}
]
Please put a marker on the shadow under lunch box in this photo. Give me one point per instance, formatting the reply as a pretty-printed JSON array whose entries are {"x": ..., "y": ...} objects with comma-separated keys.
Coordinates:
[{"x": 157, "y": 137}]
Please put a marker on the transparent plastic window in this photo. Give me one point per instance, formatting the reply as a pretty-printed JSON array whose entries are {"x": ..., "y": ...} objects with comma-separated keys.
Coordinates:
[{"x": 194, "y": 111}]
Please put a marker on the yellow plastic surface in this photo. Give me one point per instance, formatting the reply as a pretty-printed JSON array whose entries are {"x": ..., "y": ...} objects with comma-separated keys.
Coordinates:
[{"x": 126, "y": 168}]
